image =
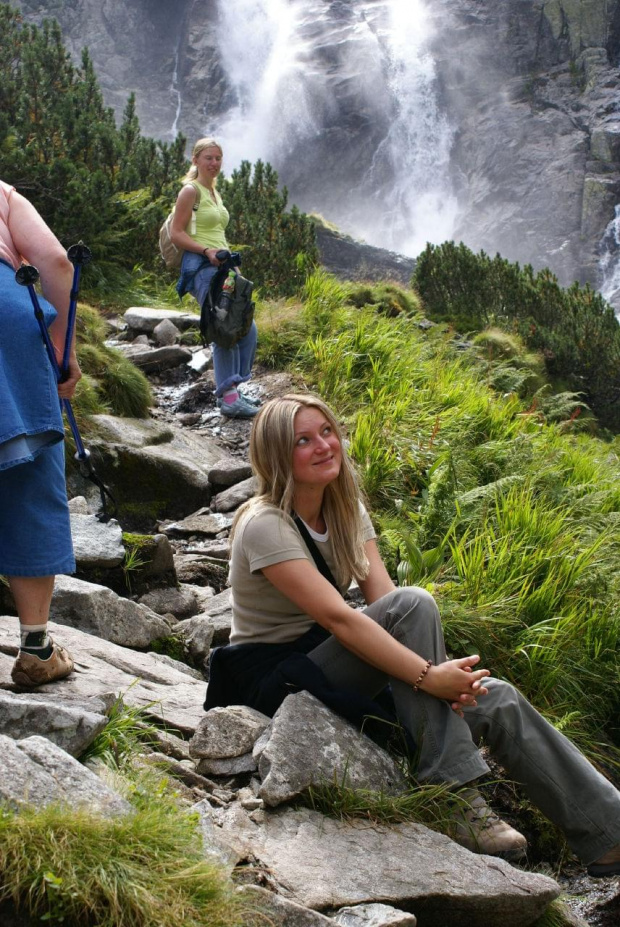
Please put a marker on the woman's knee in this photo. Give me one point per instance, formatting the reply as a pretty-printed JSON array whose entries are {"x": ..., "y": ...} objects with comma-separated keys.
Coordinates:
[{"x": 409, "y": 606}]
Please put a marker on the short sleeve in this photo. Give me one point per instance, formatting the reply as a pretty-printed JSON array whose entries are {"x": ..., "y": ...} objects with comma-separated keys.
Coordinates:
[
  {"x": 269, "y": 537},
  {"x": 369, "y": 532}
]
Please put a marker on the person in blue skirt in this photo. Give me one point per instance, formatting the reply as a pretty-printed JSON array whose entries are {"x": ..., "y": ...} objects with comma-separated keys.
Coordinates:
[{"x": 35, "y": 535}]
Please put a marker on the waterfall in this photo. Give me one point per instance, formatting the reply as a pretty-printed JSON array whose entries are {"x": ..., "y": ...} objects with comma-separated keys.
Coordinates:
[
  {"x": 174, "y": 88},
  {"x": 609, "y": 264},
  {"x": 281, "y": 59}
]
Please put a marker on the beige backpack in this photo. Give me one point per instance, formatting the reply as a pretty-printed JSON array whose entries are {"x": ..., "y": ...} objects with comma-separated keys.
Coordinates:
[{"x": 171, "y": 255}]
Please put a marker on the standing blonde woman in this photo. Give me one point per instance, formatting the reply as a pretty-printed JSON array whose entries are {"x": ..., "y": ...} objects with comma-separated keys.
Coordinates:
[
  {"x": 291, "y": 628},
  {"x": 232, "y": 366}
]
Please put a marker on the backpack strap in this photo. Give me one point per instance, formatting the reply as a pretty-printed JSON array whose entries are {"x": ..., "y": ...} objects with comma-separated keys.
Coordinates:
[
  {"x": 317, "y": 556},
  {"x": 194, "y": 207}
]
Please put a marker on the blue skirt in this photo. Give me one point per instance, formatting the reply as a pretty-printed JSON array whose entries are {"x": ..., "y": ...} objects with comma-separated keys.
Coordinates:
[{"x": 35, "y": 536}]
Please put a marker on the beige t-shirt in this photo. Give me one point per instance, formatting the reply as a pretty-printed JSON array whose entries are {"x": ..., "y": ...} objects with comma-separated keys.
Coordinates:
[{"x": 261, "y": 614}]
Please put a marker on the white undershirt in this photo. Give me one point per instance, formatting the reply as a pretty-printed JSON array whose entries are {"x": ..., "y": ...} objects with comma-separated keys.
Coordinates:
[{"x": 315, "y": 534}]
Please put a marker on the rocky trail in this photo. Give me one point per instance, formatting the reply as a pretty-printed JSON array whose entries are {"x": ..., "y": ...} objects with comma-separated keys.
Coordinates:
[{"x": 143, "y": 630}]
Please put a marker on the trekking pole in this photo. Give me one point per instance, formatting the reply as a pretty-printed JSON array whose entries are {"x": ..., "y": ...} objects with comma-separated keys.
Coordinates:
[
  {"x": 27, "y": 276},
  {"x": 79, "y": 255}
]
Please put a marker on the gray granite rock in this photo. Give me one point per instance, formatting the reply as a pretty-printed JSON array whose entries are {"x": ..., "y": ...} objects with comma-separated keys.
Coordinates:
[
  {"x": 178, "y": 601},
  {"x": 280, "y": 912},
  {"x": 204, "y": 522},
  {"x": 144, "y": 319},
  {"x": 154, "y": 360},
  {"x": 69, "y": 726},
  {"x": 232, "y": 498},
  {"x": 96, "y": 544},
  {"x": 36, "y": 771},
  {"x": 227, "y": 732},
  {"x": 78, "y": 785},
  {"x": 231, "y": 766},
  {"x": 220, "y": 617},
  {"x": 197, "y": 633},
  {"x": 408, "y": 866},
  {"x": 97, "y": 610},
  {"x": 166, "y": 333},
  {"x": 231, "y": 472},
  {"x": 307, "y": 743},
  {"x": 166, "y": 694},
  {"x": 373, "y": 915}
]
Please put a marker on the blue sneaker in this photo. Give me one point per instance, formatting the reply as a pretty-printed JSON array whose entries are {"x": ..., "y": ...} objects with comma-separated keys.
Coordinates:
[{"x": 237, "y": 409}]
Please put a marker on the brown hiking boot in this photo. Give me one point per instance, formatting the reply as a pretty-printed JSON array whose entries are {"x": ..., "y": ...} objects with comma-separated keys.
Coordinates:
[
  {"x": 478, "y": 828},
  {"x": 29, "y": 670}
]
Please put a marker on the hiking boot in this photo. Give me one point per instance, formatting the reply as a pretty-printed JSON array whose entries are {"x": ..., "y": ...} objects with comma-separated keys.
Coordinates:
[
  {"x": 607, "y": 865},
  {"x": 478, "y": 828},
  {"x": 29, "y": 670},
  {"x": 237, "y": 409}
]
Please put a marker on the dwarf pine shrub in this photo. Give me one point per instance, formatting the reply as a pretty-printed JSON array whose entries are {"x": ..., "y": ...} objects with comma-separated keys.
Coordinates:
[{"x": 575, "y": 330}]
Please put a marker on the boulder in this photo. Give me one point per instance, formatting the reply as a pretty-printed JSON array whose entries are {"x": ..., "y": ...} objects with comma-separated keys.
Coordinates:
[
  {"x": 154, "y": 360},
  {"x": 96, "y": 544},
  {"x": 220, "y": 617},
  {"x": 97, "y": 610},
  {"x": 227, "y": 732},
  {"x": 203, "y": 522},
  {"x": 36, "y": 771},
  {"x": 167, "y": 694},
  {"x": 155, "y": 471},
  {"x": 307, "y": 744},
  {"x": 144, "y": 319},
  {"x": 325, "y": 864},
  {"x": 178, "y": 601},
  {"x": 232, "y": 498},
  {"x": 70, "y": 726},
  {"x": 166, "y": 333},
  {"x": 230, "y": 766},
  {"x": 197, "y": 633}
]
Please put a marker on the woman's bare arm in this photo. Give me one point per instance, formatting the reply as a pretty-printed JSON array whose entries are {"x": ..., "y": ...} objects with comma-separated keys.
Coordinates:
[
  {"x": 38, "y": 245},
  {"x": 301, "y": 582}
]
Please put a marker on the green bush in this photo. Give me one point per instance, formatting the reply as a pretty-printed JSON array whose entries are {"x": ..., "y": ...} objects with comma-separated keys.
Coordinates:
[
  {"x": 278, "y": 247},
  {"x": 575, "y": 329}
]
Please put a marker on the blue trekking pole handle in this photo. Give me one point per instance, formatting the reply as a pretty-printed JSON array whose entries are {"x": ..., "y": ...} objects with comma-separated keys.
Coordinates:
[
  {"x": 79, "y": 255},
  {"x": 27, "y": 276}
]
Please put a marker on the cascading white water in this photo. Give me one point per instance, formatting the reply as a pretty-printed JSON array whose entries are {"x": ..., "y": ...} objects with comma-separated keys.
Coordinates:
[
  {"x": 278, "y": 64},
  {"x": 609, "y": 264}
]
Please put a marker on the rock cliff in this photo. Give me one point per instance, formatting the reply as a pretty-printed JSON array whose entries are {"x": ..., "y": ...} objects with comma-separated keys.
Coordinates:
[{"x": 529, "y": 89}]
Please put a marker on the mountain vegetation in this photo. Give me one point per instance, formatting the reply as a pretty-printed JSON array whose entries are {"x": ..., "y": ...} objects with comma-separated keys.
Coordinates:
[
  {"x": 477, "y": 436},
  {"x": 109, "y": 185}
]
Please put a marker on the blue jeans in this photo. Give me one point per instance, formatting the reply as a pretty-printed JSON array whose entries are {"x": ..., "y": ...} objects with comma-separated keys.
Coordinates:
[{"x": 230, "y": 365}]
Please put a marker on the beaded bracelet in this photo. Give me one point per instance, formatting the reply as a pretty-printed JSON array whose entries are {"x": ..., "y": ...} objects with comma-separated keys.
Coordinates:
[{"x": 416, "y": 684}]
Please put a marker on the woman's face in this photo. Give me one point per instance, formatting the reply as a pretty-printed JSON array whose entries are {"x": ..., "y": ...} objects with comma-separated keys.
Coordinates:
[
  {"x": 209, "y": 162},
  {"x": 317, "y": 454}
]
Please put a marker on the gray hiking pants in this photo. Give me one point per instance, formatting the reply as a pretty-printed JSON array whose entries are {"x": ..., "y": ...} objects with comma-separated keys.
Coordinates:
[{"x": 556, "y": 777}]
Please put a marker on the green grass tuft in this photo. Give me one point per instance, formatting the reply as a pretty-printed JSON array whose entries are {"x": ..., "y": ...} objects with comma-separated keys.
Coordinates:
[{"x": 68, "y": 866}]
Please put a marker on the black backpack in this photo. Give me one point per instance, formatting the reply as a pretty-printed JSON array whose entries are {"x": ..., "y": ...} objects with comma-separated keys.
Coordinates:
[{"x": 227, "y": 328}]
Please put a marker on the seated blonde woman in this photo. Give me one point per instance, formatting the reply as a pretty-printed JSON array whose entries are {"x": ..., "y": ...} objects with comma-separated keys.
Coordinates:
[{"x": 295, "y": 548}]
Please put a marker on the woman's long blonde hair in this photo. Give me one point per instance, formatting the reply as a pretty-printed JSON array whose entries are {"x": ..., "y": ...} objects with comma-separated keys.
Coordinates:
[
  {"x": 271, "y": 454},
  {"x": 200, "y": 145}
]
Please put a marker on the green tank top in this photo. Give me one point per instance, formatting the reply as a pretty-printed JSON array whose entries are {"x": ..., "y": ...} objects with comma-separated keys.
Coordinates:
[{"x": 211, "y": 220}]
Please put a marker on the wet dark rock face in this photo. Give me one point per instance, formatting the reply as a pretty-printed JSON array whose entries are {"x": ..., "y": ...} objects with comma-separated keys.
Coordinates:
[{"x": 530, "y": 87}]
